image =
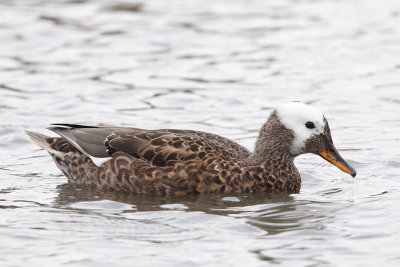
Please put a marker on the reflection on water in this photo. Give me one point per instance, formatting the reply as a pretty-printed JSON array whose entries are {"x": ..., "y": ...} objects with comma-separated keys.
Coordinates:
[
  {"x": 271, "y": 212},
  {"x": 217, "y": 66},
  {"x": 215, "y": 203}
]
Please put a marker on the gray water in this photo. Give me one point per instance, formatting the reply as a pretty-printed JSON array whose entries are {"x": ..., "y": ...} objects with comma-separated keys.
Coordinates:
[{"x": 217, "y": 66}]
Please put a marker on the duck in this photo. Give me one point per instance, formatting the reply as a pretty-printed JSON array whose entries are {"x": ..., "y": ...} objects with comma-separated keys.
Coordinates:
[{"x": 180, "y": 162}]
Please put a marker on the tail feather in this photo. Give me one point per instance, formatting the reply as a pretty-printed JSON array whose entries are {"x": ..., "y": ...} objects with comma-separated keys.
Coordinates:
[
  {"x": 59, "y": 146},
  {"x": 67, "y": 158},
  {"x": 39, "y": 139}
]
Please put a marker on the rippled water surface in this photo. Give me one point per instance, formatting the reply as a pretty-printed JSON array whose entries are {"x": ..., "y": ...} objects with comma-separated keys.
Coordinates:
[{"x": 217, "y": 66}]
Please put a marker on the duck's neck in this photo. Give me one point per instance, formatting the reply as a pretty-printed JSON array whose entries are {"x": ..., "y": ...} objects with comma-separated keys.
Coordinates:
[
  {"x": 272, "y": 154},
  {"x": 273, "y": 144}
]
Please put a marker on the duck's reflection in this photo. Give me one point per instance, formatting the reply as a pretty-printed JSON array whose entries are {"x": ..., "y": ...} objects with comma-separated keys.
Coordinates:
[{"x": 272, "y": 212}]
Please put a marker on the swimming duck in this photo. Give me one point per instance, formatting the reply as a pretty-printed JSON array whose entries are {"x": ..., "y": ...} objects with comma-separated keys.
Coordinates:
[{"x": 179, "y": 162}]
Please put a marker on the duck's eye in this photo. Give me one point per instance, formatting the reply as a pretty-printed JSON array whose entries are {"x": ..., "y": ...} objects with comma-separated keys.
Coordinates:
[{"x": 310, "y": 125}]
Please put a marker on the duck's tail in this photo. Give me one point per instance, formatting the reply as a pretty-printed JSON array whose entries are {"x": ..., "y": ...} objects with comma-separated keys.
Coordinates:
[
  {"x": 56, "y": 146},
  {"x": 72, "y": 162},
  {"x": 40, "y": 140}
]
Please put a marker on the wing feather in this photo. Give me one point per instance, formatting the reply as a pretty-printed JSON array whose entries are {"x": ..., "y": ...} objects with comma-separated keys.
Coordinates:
[{"x": 159, "y": 147}]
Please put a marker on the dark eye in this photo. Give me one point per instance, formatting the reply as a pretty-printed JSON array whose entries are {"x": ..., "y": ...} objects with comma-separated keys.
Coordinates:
[{"x": 310, "y": 125}]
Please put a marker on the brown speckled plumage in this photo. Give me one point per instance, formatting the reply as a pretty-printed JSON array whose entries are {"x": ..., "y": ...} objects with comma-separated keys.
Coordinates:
[{"x": 174, "y": 161}]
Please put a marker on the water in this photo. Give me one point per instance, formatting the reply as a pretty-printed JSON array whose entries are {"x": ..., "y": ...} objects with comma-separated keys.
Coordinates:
[{"x": 217, "y": 66}]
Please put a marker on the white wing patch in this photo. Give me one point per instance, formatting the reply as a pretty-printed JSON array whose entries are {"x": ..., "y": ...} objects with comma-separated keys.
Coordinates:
[{"x": 99, "y": 161}]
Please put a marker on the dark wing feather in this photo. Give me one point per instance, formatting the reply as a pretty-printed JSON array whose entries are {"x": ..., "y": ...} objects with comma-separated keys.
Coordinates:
[
  {"x": 87, "y": 140},
  {"x": 127, "y": 145},
  {"x": 160, "y": 147}
]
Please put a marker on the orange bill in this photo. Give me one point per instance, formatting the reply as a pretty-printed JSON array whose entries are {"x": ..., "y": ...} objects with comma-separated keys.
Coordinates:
[{"x": 331, "y": 155}]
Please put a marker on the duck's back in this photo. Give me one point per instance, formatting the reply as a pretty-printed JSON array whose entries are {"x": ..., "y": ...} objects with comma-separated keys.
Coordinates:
[{"x": 164, "y": 147}]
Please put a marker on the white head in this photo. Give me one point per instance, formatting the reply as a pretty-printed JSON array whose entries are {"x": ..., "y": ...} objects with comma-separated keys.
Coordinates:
[
  {"x": 308, "y": 133},
  {"x": 304, "y": 120}
]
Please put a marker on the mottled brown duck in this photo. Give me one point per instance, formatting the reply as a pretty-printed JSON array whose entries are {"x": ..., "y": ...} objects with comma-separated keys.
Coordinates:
[{"x": 179, "y": 162}]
